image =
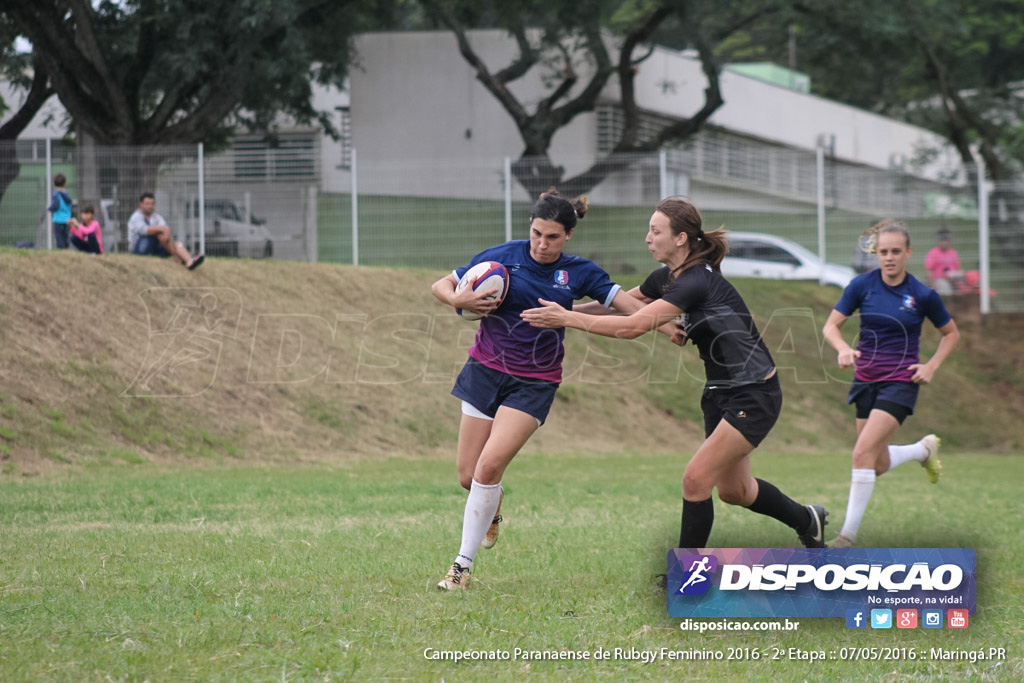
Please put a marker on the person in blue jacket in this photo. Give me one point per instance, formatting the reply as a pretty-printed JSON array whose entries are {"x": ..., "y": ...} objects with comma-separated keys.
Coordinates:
[{"x": 60, "y": 208}]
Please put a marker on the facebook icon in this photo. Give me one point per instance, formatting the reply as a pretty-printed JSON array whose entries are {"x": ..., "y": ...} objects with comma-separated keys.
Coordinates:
[{"x": 855, "y": 619}]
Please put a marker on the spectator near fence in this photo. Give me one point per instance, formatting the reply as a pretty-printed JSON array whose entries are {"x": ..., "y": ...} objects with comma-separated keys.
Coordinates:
[
  {"x": 149, "y": 235},
  {"x": 60, "y": 207},
  {"x": 943, "y": 264},
  {"x": 85, "y": 233}
]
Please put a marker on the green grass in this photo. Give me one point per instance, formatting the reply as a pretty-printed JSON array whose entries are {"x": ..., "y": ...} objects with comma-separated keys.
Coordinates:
[{"x": 327, "y": 573}]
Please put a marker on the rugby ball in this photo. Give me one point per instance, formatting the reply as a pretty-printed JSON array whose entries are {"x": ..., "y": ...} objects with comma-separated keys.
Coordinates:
[{"x": 483, "y": 276}]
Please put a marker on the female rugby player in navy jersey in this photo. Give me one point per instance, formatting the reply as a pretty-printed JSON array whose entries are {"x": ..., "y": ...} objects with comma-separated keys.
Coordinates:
[
  {"x": 742, "y": 398},
  {"x": 888, "y": 373},
  {"x": 508, "y": 384}
]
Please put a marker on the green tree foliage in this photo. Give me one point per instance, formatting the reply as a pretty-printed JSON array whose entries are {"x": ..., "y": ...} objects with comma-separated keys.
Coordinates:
[
  {"x": 954, "y": 66},
  {"x": 138, "y": 72},
  {"x": 24, "y": 72}
]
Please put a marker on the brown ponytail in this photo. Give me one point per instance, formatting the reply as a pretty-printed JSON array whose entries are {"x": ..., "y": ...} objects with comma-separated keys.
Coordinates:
[{"x": 705, "y": 247}]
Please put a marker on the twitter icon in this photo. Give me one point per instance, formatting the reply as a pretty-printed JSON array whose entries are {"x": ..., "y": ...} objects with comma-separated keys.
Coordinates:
[{"x": 881, "y": 618}]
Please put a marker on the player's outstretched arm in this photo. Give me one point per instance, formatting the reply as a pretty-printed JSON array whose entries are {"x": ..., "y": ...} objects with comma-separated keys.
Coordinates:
[{"x": 650, "y": 317}]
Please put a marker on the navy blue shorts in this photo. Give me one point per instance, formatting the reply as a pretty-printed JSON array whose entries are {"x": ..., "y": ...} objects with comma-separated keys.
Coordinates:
[
  {"x": 752, "y": 409},
  {"x": 149, "y": 246},
  {"x": 896, "y": 398},
  {"x": 486, "y": 389}
]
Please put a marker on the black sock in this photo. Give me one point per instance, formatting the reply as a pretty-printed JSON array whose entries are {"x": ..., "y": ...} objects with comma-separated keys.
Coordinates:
[
  {"x": 698, "y": 518},
  {"x": 776, "y": 504}
]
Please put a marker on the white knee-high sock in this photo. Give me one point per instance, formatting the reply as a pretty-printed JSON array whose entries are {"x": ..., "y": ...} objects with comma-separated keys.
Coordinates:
[
  {"x": 901, "y": 454},
  {"x": 862, "y": 484},
  {"x": 480, "y": 508}
]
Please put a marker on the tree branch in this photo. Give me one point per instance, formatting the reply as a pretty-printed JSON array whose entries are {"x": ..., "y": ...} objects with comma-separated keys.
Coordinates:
[
  {"x": 493, "y": 84},
  {"x": 627, "y": 76},
  {"x": 587, "y": 99},
  {"x": 527, "y": 58},
  {"x": 712, "y": 99},
  {"x": 38, "y": 93},
  {"x": 961, "y": 119}
]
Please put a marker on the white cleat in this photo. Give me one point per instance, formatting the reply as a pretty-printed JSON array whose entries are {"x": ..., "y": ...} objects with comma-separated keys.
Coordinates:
[{"x": 931, "y": 462}]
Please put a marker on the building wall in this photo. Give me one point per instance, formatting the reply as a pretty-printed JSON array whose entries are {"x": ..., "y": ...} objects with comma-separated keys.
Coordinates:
[{"x": 415, "y": 97}]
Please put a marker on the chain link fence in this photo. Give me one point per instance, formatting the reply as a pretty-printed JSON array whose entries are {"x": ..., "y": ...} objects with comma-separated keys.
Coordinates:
[
  {"x": 237, "y": 203},
  {"x": 258, "y": 201}
]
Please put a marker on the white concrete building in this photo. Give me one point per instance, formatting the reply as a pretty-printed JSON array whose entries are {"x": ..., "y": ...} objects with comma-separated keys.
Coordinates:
[{"x": 414, "y": 98}]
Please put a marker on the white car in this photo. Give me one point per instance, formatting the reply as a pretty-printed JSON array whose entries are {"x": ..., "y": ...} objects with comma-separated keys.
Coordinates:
[
  {"x": 755, "y": 254},
  {"x": 227, "y": 231}
]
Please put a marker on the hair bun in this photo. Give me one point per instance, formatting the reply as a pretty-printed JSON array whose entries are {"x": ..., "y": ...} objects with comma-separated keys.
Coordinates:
[{"x": 580, "y": 205}]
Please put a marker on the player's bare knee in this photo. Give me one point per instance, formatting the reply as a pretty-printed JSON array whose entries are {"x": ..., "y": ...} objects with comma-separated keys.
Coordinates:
[
  {"x": 487, "y": 474},
  {"x": 864, "y": 459},
  {"x": 695, "y": 487}
]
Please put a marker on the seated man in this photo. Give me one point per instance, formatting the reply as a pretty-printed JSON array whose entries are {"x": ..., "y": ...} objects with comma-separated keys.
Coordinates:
[{"x": 148, "y": 235}]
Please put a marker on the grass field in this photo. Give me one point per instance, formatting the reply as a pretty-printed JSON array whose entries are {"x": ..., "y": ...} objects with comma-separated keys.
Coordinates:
[{"x": 317, "y": 572}]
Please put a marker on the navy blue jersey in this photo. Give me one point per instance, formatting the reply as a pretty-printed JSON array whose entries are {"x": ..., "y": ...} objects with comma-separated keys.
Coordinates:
[
  {"x": 717, "y": 320},
  {"x": 507, "y": 343},
  {"x": 890, "y": 324}
]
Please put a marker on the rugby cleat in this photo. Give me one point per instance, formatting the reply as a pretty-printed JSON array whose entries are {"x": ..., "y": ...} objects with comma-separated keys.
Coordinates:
[
  {"x": 492, "y": 533},
  {"x": 931, "y": 462},
  {"x": 457, "y": 578},
  {"x": 814, "y": 535}
]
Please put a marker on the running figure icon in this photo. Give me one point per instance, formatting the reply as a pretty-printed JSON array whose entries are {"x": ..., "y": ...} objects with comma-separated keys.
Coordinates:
[{"x": 697, "y": 570}]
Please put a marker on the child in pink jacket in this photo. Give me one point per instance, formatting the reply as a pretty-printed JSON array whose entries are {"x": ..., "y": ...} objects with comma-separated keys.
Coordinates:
[{"x": 86, "y": 234}]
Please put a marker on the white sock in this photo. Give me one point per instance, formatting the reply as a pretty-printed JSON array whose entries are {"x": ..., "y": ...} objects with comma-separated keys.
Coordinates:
[
  {"x": 480, "y": 508},
  {"x": 862, "y": 484},
  {"x": 901, "y": 454}
]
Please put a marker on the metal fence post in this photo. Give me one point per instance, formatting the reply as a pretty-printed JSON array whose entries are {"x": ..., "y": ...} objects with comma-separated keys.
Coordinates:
[
  {"x": 46, "y": 193},
  {"x": 662, "y": 174},
  {"x": 819, "y": 176},
  {"x": 508, "y": 199},
  {"x": 819, "y": 173},
  {"x": 983, "y": 242},
  {"x": 202, "y": 202},
  {"x": 310, "y": 228},
  {"x": 355, "y": 209}
]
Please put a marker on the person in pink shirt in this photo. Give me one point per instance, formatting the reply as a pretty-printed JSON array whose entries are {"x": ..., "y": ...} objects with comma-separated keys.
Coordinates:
[
  {"x": 85, "y": 233},
  {"x": 943, "y": 264}
]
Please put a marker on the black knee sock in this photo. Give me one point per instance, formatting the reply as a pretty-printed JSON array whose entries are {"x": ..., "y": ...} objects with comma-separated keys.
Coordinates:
[
  {"x": 776, "y": 504},
  {"x": 698, "y": 518}
]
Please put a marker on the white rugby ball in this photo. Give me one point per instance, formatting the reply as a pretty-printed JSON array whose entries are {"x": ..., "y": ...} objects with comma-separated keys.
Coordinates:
[{"x": 484, "y": 276}]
